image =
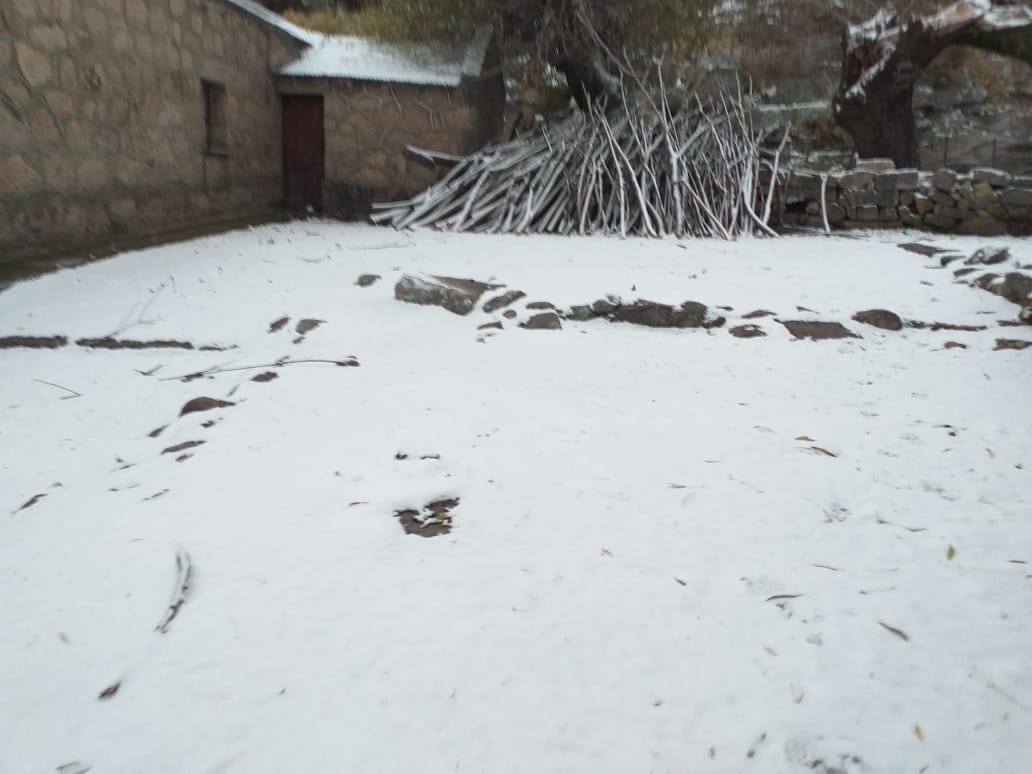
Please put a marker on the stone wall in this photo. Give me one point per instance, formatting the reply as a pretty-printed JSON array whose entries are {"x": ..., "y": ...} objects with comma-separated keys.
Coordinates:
[
  {"x": 368, "y": 124},
  {"x": 102, "y": 116},
  {"x": 985, "y": 201}
]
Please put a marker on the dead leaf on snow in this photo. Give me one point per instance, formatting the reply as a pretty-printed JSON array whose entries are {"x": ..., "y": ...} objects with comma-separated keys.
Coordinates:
[
  {"x": 804, "y": 438},
  {"x": 819, "y": 451},
  {"x": 918, "y": 733},
  {"x": 950, "y": 553},
  {"x": 110, "y": 691},
  {"x": 606, "y": 552},
  {"x": 898, "y": 632}
]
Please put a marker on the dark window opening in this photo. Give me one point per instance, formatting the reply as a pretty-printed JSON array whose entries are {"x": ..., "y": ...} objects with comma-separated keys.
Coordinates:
[{"x": 216, "y": 132}]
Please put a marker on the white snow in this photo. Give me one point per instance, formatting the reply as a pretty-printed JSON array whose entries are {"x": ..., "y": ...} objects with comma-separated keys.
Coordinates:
[
  {"x": 345, "y": 56},
  {"x": 638, "y": 509}
]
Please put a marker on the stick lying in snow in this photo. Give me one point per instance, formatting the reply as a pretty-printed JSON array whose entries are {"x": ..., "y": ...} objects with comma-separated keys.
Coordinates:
[
  {"x": 184, "y": 572},
  {"x": 347, "y": 362}
]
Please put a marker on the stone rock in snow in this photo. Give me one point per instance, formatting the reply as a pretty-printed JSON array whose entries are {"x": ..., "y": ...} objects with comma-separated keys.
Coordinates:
[
  {"x": 747, "y": 331},
  {"x": 502, "y": 301},
  {"x": 880, "y": 318},
  {"x": 988, "y": 256},
  {"x": 690, "y": 314},
  {"x": 1014, "y": 286},
  {"x": 366, "y": 280},
  {"x": 546, "y": 321},
  {"x": 458, "y": 296}
]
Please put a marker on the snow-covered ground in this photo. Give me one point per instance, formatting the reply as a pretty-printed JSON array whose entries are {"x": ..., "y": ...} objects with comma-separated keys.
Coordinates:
[{"x": 654, "y": 565}]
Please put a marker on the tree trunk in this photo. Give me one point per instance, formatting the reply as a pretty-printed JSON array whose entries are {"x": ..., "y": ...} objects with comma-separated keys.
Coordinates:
[{"x": 884, "y": 58}]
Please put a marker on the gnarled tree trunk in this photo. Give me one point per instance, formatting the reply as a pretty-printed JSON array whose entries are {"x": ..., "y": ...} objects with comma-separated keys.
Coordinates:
[{"x": 883, "y": 59}]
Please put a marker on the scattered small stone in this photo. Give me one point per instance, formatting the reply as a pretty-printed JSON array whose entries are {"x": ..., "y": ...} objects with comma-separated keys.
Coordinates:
[
  {"x": 757, "y": 314},
  {"x": 954, "y": 345},
  {"x": 208, "y": 424},
  {"x": 33, "y": 342},
  {"x": 546, "y": 321},
  {"x": 308, "y": 324},
  {"x": 495, "y": 326},
  {"x": 183, "y": 457},
  {"x": 946, "y": 260},
  {"x": 540, "y": 305},
  {"x": 203, "y": 404},
  {"x": 817, "y": 330},
  {"x": 181, "y": 447},
  {"x": 964, "y": 272},
  {"x": 157, "y": 431},
  {"x": 366, "y": 280},
  {"x": 805, "y": 309},
  {"x": 747, "y": 331},
  {"x": 504, "y": 300},
  {"x": 1013, "y": 286},
  {"x": 509, "y": 314},
  {"x": 880, "y": 318},
  {"x": 265, "y": 376},
  {"x": 1012, "y": 344},
  {"x": 278, "y": 324},
  {"x": 31, "y": 501}
]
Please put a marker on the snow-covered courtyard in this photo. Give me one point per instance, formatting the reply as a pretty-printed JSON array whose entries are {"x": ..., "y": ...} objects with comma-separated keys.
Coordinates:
[{"x": 630, "y": 550}]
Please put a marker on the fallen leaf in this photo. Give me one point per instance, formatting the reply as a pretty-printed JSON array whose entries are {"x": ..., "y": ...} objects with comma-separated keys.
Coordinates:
[
  {"x": 606, "y": 552},
  {"x": 770, "y": 650},
  {"x": 898, "y": 632},
  {"x": 680, "y": 581},
  {"x": 950, "y": 553},
  {"x": 825, "y": 452},
  {"x": 918, "y": 733},
  {"x": 110, "y": 691},
  {"x": 804, "y": 438},
  {"x": 990, "y": 453}
]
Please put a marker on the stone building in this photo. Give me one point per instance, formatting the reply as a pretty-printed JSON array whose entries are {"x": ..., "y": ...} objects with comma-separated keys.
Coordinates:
[{"x": 140, "y": 115}]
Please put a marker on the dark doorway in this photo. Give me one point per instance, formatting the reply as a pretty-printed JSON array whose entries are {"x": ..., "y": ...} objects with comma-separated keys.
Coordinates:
[{"x": 303, "y": 145}]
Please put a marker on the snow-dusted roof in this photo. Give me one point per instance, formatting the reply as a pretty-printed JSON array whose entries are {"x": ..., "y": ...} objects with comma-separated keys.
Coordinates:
[
  {"x": 346, "y": 56},
  {"x": 263, "y": 14}
]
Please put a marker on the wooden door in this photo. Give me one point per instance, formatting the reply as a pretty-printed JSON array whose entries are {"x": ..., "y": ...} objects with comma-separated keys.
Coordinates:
[{"x": 303, "y": 150}]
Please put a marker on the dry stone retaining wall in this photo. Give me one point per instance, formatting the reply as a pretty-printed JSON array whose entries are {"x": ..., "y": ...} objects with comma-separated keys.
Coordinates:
[{"x": 986, "y": 202}]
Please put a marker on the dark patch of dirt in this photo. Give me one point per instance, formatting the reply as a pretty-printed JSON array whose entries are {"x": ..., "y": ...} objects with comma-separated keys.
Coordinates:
[
  {"x": 307, "y": 324},
  {"x": 1012, "y": 344},
  {"x": 266, "y": 376},
  {"x": 757, "y": 314},
  {"x": 747, "y": 331},
  {"x": 276, "y": 325},
  {"x": 108, "y": 342},
  {"x": 509, "y": 314},
  {"x": 434, "y": 519},
  {"x": 182, "y": 447},
  {"x": 817, "y": 330},
  {"x": 540, "y": 305},
  {"x": 183, "y": 457},
  {"x": 203, "y": 404},
  {"x": 157, "y": 431},
  {"x": 954, "y": 345},
  {"x": 216, "y": 348},
  {"x": 31, "y": 501},
  {"x": 32, "y": 342},
  {"x": 941, "y": 326},
  {"x": 1012, "y": 323},
  {"x": 922, "y": 249}
]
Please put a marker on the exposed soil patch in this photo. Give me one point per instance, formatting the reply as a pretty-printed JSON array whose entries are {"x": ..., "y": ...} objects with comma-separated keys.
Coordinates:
[
  {"x": 182, "y": 447},
  {"x": 941, "y": 326},
  {"x": 1012, "y": 344},
  {"x": 435, "y": 518},
  {"x": 922, "y": 249},
  {"x": 954, "y": 345},
  {"x": 267, "y": 376},
  {"x": 203, "y": 404},
  {"x": 817, "y": 330},
  {"x": 308, "y": 324},
  {"x": 108, "y": 342},
  {"x": 276, "y": 325},
  {"x": 32, "y": 342}
]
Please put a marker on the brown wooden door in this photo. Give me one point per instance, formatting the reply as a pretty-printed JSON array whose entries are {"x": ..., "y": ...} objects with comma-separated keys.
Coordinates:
[{"x": 303, "y": 146}]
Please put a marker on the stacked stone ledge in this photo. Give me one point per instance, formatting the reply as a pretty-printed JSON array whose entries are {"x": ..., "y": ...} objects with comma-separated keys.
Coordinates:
[{"x": 985, "y": 202}]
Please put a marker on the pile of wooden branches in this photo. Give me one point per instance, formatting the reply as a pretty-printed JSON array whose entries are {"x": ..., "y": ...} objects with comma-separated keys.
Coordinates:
[{"x": 642, "y": 169}]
